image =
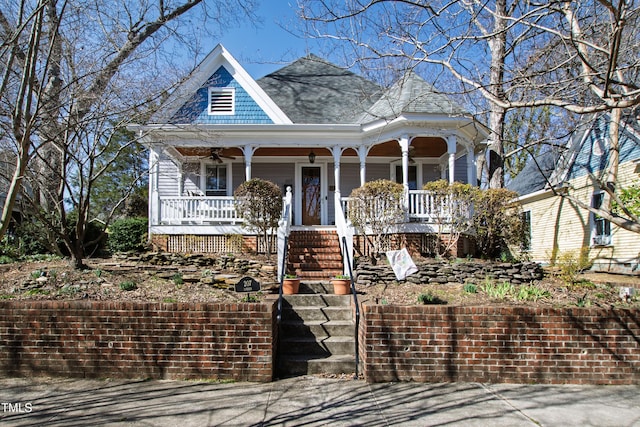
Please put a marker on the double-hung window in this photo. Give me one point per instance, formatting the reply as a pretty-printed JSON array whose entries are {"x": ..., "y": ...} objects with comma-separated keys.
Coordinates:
[
  {"x": 600, "y": 227},
  {"x": 216, "y": 180}
]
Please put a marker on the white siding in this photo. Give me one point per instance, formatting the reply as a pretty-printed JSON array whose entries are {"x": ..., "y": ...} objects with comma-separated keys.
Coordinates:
[{"x": 168, "y": 177}]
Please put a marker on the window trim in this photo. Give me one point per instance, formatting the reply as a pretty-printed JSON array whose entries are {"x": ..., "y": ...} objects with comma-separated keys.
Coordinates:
[
  {"x": 599, "y": 240},
  {"x": 228, "y": 106},
  {"x": 205, "y": 175},
  {"x": 526, "y": 219}
]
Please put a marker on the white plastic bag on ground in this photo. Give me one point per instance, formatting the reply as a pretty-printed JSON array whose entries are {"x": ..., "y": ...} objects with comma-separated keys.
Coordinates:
[{"x": 401, "y": 263}]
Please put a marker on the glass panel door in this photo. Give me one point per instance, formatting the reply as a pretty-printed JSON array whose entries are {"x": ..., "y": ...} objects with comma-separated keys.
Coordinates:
[{"x": 311, "y": 195}]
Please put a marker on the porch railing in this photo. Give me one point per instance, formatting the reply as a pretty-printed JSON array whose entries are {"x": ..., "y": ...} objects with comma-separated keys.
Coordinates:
[
  {"x": 422, "y": 206},
  {"x": 200, "y": 209}
]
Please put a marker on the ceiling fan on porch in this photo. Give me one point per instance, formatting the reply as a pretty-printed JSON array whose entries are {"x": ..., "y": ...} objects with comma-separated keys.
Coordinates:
[
  {"x": 216, "y": 154},
  {"x": 411, "y": 150}
]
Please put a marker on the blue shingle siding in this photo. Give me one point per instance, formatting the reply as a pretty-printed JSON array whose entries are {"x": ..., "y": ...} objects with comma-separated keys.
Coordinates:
[
  {"x": 195, "y": 111},
  {"x": 594, "y": 153}
]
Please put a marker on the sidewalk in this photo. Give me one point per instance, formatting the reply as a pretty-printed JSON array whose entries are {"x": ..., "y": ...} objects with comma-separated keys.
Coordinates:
[{"x": 311, "y": 401}]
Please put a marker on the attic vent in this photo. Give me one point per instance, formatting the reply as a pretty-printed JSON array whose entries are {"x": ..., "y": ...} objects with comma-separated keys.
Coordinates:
[{"x": 221, "y": 100}]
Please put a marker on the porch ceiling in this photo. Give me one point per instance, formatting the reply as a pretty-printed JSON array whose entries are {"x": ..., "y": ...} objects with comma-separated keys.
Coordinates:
[{"x": 421, "y": 147}]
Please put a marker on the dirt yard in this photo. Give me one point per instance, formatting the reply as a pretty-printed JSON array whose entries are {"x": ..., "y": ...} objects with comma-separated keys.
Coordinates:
[{"x": 111, "y": 279}]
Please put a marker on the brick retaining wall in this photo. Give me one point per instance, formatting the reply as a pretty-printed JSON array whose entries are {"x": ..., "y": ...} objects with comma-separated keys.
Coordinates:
[
  {"x": 137, "y": 340},
  {"x": 515, "y": 345}
]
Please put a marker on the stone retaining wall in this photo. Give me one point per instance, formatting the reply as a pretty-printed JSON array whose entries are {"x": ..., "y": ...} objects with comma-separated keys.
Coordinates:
[
  {"x": 138, "y": 340},
  {"x": 500, "y": 345},
  {"x": 445, "y": 272}
]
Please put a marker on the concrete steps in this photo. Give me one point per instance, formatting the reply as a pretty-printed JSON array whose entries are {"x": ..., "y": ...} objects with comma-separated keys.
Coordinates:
[{"x": 317, "y": 332}]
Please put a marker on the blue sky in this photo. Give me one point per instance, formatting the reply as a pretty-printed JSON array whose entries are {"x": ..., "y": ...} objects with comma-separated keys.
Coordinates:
[{"x": 269, "y": 47}]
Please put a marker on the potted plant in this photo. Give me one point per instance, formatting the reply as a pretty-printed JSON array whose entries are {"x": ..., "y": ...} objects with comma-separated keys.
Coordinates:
[
  {"x": 290, "y": 284},
  {"x": 341, "y": 284}
]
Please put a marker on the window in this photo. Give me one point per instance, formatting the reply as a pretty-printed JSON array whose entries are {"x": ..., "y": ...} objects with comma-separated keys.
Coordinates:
[
  {"x": 526, "y": 221},
  {"x": 600, "y": 227},
  {"x": 216, "y": 180},
  {"x": 221, "y": 100}
]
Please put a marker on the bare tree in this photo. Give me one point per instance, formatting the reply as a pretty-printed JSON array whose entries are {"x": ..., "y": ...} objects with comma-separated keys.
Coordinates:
[
  {"x": 574, "y": 57},
  {"x": 74, "y": 73}
]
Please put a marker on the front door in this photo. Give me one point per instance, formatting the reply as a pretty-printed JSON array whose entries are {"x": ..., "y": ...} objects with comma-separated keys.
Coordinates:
[{"x": 311, "y": 195}]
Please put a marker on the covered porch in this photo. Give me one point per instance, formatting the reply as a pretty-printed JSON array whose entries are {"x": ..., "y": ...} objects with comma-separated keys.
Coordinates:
[{"x": 191, "y": 185}]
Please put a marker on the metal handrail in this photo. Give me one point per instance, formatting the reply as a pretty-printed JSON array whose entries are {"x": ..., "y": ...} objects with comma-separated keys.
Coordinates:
[
  {"x": 284, "y": 229},
  {"x": 345, "y": 254},
  {"x": 284, "y": 265}
]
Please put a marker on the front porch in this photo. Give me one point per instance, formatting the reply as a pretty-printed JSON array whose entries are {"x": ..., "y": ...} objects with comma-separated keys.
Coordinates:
[{"x": 218, "y": 215}]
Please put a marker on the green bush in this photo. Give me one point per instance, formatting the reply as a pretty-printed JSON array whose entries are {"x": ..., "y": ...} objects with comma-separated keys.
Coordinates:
[
  {"x": 572, "y": 263},
  {"x": 497, "y": 222},
  {"x": 128, "y": 234},
  {"x": 128, "y": 286},
  {"x": 470, "y": 288}
]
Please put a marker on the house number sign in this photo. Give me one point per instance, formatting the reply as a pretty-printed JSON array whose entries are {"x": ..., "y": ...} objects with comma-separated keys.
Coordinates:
[{"x": 247, "y": 284}]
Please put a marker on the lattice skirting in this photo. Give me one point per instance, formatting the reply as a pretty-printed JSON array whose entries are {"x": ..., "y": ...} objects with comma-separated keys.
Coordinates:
[{"x": 234, "y": 243}]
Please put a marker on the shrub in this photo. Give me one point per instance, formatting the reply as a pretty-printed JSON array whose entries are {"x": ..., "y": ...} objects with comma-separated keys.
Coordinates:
[
  {"x": 128, "y": 286},
  {"x": 572, "y": 263},
  {"x": 376, "y": 208},
  {"x": 453, "y": 205},
  {"x": 429, "y": 298},
  {"x": 497, "y": 222},
  {"x": 470, "y": 288},
  {"x": 177, "y": 279},
  {"x": 259, "y": 202},
  {"x": 128, "y": 234}
]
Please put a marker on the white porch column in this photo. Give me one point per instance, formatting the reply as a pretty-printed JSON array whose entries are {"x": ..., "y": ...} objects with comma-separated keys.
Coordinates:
[
  {"x": 154, "y": 200},
  {"x": 471, "y": 167},
  {"x": 362, "y": 155},
  {"x": 451, "y": 150},
  {"x": 248, "y": 151},
  {"x": 337, "y": 153},
  {"x": 404, "y": 148}
]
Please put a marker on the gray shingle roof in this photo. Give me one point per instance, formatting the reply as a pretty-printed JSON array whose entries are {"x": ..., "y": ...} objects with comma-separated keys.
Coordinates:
[
  {"x": 535, "y": 175},
  {"x": 412, "y": 95},
  {"x": 312, "y": 90}
]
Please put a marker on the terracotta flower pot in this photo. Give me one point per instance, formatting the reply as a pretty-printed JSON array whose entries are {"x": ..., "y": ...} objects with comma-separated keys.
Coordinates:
[
  {"x": 290, "y": 286},
  {"x": 341, "y": 286}
]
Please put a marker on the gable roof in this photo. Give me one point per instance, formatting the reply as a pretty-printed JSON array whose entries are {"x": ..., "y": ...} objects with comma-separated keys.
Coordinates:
[
  {"x": 218, "y": 61},
  {"x": 585, "y": 152},
  {"x": 312, "y": 90},
  {"x": 535, "y": 175}
]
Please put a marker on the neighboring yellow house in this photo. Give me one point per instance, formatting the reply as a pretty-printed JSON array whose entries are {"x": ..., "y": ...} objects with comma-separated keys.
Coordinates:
[{"x": 556, "y": 224}]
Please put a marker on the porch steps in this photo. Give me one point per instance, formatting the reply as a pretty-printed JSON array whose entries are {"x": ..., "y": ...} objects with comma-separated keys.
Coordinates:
[
  {"x": 316, "y": 333},
  {"x": 314, "y": 254}
]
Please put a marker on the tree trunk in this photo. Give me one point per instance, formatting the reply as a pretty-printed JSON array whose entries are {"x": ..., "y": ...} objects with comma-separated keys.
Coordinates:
[{"x": 497, "y": 45}]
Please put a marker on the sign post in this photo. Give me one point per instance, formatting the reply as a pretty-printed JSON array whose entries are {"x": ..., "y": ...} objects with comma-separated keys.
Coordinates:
[{"x": 248, "y": 285}]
